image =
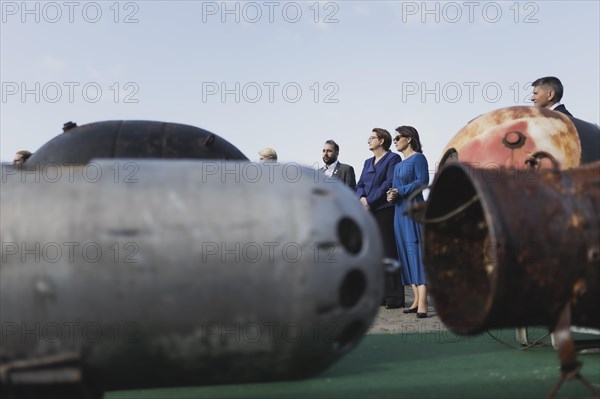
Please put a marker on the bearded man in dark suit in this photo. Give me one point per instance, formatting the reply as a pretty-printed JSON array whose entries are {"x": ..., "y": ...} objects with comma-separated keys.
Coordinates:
[{"x": 343, "y": 172}]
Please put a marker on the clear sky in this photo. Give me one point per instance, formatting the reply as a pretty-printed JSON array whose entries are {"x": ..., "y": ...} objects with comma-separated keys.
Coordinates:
[{"x": 289, "y": 75}]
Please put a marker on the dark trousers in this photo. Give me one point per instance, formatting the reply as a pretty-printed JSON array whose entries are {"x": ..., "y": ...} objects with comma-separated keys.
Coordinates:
[{"x": 393, "y": 289}]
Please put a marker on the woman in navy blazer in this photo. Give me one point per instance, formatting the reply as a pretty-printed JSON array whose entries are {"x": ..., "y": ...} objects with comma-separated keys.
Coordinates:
[{"x": 375, "y": 180}]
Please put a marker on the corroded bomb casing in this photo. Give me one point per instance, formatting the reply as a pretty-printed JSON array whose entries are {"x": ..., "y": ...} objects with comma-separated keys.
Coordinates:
[
  {"x": 183, "y": 273},
  {"x": 507, "y": 137},
  {"x": 510, "y": 247}
]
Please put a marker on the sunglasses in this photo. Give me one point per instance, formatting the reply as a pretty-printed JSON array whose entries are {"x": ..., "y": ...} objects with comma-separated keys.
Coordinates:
[{"x": 397, "y": 138}]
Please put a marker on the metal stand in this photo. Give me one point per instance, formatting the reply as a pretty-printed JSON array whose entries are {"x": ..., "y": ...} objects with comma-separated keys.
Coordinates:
[
  {"x": 51, "y": 377},
  {"x": 570, "y": 367},
  {"x": 581, "y": 345}
]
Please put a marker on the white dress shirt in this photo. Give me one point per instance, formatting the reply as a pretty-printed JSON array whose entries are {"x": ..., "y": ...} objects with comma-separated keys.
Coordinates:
[{"x": 328, "y": 170}]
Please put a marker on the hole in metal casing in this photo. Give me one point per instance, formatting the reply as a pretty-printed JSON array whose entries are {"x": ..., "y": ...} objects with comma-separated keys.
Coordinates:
[
  {"x": 350, "y": 235},
  {"x": 352, "y": 288}
]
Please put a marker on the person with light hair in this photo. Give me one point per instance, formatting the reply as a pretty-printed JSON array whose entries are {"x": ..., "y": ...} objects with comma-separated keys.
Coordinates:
[
  {"x": 21, "y": 157},
  {"x": 371, "y": 190},
  {"x": 267, "y": 154}
]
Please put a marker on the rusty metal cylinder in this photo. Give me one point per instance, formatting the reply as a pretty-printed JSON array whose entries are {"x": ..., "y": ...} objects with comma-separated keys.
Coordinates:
[
  {"x": 509, "y": 248},
  {"x": 182, "y": 273}
]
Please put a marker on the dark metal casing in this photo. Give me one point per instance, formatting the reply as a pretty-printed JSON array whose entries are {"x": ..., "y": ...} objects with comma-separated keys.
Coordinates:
[
  {"x": 133, "y": 139},
  {"x": 511, "y": 247}
]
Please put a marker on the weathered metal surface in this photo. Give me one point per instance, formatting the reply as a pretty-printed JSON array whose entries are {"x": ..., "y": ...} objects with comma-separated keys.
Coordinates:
[
  {"x": 507, "y": 137},
  {"x": 184, "y": 273},
  {"x": 132, "y": 139},
  {"x": 511, "y": 247}
]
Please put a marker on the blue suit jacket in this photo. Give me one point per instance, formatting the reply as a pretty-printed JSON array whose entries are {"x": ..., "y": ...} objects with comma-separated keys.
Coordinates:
[{"x": 375, "y": 180}]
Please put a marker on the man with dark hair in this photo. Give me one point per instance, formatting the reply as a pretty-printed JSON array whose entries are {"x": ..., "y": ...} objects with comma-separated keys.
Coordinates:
[
  {"x": 345, "y": 173},
  {"x": 547, "y": 93}
]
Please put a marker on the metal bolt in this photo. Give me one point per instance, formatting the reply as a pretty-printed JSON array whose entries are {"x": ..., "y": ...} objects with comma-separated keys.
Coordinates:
[{"x": 69, "y": 125}]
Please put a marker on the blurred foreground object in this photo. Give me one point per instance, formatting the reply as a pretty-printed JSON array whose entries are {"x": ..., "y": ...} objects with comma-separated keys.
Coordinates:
[
  {"x": 503, "y": 232},
  {"x": 182, "y": 273},
  {"x": 511, "y": 247},
  {"x": 126, "y": 273},
  {"x": 510, "y": 239},
  {"x": 514, "y": 247}
]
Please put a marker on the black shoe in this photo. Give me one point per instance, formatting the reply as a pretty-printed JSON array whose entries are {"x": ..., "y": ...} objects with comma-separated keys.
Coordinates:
[
  {"x": 392, "y": 304},
  {"x": 421, "y": 315},
  {"x": 410, "y": 310}
]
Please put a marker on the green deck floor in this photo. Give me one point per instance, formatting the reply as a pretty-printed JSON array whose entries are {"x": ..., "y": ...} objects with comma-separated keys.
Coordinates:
[{"x": 432, "y": 365}]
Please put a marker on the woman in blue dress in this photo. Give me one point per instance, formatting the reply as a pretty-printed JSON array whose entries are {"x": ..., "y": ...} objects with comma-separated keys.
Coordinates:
[{"x": 410, "y": 175}]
